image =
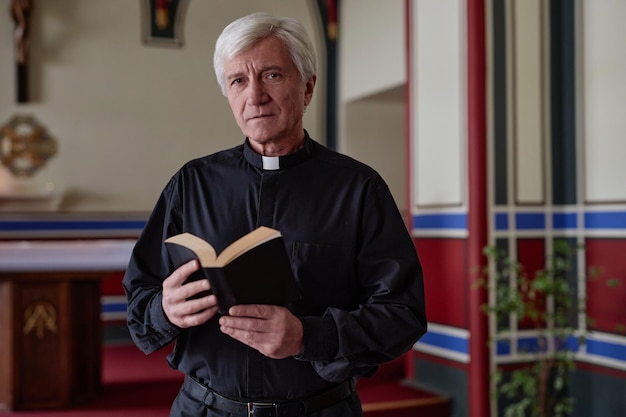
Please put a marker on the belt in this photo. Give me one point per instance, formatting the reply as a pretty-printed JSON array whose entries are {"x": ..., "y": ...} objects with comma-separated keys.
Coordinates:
[{"x": 292, "y": 408}]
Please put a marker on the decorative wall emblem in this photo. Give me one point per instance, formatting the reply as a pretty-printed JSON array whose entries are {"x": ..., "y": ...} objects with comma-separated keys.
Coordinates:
[
  {"x": 25, "y": 145},
  {"x": 40, "y": 317}
]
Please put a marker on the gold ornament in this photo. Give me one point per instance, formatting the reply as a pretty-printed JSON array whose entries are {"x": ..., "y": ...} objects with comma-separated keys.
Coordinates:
[
  {"x": 25, "y": 146},
  {"x": 39, "y": 317}
]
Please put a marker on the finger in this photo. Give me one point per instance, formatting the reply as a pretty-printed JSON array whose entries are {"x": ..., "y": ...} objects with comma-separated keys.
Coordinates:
[
  {"x": 194, "y": 306},
  {"x": 198, "y": 318},
  {"x": 196, "y": 289},
  {"x": 253, "y": 339},
  {"x": 192, "y": 312},
  {"x": 247, "y": 324},
  {"x": 181, "y": 274},
  {"x": 251, "y": 310},
  {"x": 269, "y": 344}
]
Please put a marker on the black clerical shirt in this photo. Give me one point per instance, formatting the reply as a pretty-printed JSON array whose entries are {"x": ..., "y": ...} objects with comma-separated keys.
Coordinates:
[{"x": 354, "y": 261}]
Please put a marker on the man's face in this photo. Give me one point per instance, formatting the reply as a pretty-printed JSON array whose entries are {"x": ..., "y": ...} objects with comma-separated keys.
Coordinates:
[{"x": 267, "y": 96}]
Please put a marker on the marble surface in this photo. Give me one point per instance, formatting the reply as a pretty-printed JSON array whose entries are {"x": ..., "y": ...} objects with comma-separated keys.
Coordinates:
[{"x": 65, "y": 255}]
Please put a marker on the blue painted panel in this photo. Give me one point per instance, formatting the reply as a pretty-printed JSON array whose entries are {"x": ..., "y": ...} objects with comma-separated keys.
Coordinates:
[
  {"x": 61, "y": 225},
  {"x": 528, "y": 344},
  {"x": 536, "y": 221},
  {"x": 440, "y": 221},
  {"x": 605, "y": 220},
  {"x": 114, "y": 307},
  {"x": 530, "y": 221},
  {"x": 502, "y": 221},
  {"x": 503, "y": 347},
  {"x": 565, "y": 220},
  {"x": 446, "y": 341},
  {"x": 606, "y": 349}
]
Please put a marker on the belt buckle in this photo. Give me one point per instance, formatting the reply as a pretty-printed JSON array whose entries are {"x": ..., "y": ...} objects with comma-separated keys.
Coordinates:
[{"x": 254, "y": 406}]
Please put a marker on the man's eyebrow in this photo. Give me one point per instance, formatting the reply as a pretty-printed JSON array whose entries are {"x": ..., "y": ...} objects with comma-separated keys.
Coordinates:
[
  {"x": 241, "y": 74},
  {"x": 234, "y": 76},
  {"x": 272, "y": 68}
]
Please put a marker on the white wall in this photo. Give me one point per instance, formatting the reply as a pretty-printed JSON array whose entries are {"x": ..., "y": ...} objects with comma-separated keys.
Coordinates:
[
  {"x": 376, "y": 135},
  {"x": 127, "y": 115},
  {"x": 372, "y": 79},
  {"x": 372, "y": 47},
  {"x": 604, "y": 100},
  {"x": 438, "y": 111}
]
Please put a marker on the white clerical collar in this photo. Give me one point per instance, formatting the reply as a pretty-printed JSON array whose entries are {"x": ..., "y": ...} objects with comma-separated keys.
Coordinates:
[{"x": 271, "y": 163}]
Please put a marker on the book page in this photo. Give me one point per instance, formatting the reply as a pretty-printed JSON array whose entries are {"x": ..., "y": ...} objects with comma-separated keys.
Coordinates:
[
  {"x": 203, "y": 250},
  {"x": 245, "y": 243}
]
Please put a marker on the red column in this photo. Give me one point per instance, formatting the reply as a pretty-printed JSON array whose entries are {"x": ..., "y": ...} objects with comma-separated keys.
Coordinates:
[{"x": 478, "y": 383}]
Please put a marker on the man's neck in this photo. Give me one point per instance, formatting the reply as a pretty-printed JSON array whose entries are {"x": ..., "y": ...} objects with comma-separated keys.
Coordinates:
[{"x": 277, "y": 148}]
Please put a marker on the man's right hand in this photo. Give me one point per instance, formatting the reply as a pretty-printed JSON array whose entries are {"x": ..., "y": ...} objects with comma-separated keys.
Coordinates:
[{"x": 177, "y": 305}]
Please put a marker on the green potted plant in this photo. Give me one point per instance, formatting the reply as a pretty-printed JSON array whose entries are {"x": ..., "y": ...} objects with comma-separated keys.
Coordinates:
[{"x": 547, "y": 306}]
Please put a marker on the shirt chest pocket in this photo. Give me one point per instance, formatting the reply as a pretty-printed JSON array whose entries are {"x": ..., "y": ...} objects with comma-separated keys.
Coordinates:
[{"x": 326, "y": 276}]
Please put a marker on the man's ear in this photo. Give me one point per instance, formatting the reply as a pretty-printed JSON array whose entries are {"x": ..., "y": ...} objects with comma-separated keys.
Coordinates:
[{"x": 308, "y": 92}]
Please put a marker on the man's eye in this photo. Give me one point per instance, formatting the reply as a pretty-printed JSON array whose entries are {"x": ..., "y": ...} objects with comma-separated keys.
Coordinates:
[
  {"x": 273, "y": 75},
  {"x": 237, "y": 81}
]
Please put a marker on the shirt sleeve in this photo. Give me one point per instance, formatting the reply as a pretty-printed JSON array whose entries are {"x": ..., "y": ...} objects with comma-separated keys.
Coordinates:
[
  {"x": 148, "y": 325},
  {"x": 391, "y": 315}
]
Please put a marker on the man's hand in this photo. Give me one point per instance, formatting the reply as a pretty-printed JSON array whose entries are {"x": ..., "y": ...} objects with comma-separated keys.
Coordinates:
[
  {"x": 179, "y": 310},
  {"x": 271, "y": 330}
]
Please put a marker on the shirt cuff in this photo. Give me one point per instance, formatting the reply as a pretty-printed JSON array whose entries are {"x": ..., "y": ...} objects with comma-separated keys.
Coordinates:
[
  {"x": 163, "y": 331},
  {"x": 320, "y": 339}
]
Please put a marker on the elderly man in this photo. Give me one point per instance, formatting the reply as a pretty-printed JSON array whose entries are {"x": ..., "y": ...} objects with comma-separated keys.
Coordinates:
[{"x": 354, "y": 262}]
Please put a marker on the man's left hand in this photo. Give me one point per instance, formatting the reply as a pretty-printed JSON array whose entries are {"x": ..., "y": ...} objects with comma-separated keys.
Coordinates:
[{"x": 271, "y": 330}]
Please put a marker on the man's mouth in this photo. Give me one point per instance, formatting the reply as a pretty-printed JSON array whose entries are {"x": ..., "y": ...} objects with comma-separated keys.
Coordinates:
[{"x": 260, "y": 116}]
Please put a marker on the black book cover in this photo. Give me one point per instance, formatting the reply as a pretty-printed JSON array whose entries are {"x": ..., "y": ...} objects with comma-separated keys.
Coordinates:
[{"x": 261, "y": 275}]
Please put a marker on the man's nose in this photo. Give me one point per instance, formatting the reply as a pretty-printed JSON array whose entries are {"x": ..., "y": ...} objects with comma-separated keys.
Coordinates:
[{"x": 256, "y": 93}]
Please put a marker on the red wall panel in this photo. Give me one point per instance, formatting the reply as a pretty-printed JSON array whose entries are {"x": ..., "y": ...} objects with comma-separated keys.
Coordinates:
[
  {"x": 531, "y": 256},
  {"x": 445, "y": 280},
  {"x": 112, "y": 284},
  {"x": 607, "y": 304}
]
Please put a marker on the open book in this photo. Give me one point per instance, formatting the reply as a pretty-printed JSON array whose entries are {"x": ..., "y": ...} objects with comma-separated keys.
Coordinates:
[{"x": 254, "y": 269}]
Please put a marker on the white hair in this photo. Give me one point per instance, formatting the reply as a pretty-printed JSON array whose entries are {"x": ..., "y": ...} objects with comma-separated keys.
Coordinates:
[{"x": 248, "y": 30}]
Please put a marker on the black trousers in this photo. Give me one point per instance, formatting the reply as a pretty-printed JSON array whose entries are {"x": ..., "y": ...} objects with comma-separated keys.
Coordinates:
[{"x": 186, "y": 406}]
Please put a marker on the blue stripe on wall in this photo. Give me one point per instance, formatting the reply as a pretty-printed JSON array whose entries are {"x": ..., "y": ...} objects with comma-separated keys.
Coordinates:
[
  {"x": 564, "y": 220},
  {"x": 529, "y": 345},
  {"x": 524, "y": 345},
  {"x": 601, "y": 348},
  {"x": 593, "y": 220},
  {"x": 606, "y": 349},
  {"x": 605, "y": 220},
  {"x": 530, "y": 221},
  {"x": 525, "y": 221},
  {"x": 502, "y": 221},
  {"x": 70, "y": 225},
  {"x": 114, "y": 307},
  {"x": 503, "y": 348},
  {"x": 446, "y": 341},
  {"x": 440, "y": 221}
]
